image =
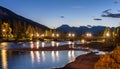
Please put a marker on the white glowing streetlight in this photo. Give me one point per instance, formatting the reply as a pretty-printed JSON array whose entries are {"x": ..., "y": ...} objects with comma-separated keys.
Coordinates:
[
  {"x": 89, "y": 34},
  {"x": 3, "y": 30},
  {"x": 69, "y": 35},
  {"x": 57, "y": 35},
  {"x": 53, "y": 35},
  {"x": 73, "y": 35},
  {"x": 83, "y": 41},
  {"x": 108, "y": 34},
  {"x": 31, "y": 35},
  {"x": 42, "y": 35},
  {"x": 37, "y": 35}
]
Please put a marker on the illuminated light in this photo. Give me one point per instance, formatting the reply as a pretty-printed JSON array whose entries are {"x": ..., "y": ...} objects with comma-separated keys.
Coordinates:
[
  {"x": 43, "y": 44},
  {"x": 37, "y": 44},
  {"x": 3, "y": 30},
  {"x": 73, "y": 44},
  {"x": 32, "y": 56},
  {"x": 57, "y": 35},
  {"x": 57, "y": 44},
  {"x": 4, "y": 44},
  {"x": 103, "y": 40},
  {"x": 71, "y": 56},
  {"x": 88, "y": 34},
  {"x": 31, "y": 34},
  {"x": 69, "y": 42},
  {"x": 4, "y": 59},
  {"x": 53, "y": 56},
  {"x": 53, "y": 35},
  {"x": 73, "y": 35},
  {"x": 31, "y": 45},
  {"x": 108, "y": 34},
  {"x": 42, "y": 35},
  {"x": 83, "y": 41},
  {"x": 37, "y": 56},
  {"x": 37, "y": 35},
  {"x": 69, "y": 35},
  {"x": 57, "y": 55},
  {"x": 43, "y": 56},
  {"x": 53, "y": 43}
]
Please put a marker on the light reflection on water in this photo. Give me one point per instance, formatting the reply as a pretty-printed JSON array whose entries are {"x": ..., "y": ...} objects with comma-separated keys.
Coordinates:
[
  {"x": 35, "y": 59},
  {"x": 71, "y": 55},
  {"x": 4, "y": 59},
  {"x": 71, "y": 44},
  {"x": 39, "y": 59},
  {"x": 38, "y": 44}
]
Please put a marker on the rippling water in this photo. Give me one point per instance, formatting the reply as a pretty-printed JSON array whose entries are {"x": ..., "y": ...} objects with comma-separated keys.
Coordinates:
[{"x": 34, "y": 59}]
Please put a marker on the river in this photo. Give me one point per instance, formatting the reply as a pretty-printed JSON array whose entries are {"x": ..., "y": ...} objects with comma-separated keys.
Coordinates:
[{"x": 35, "y": 59}]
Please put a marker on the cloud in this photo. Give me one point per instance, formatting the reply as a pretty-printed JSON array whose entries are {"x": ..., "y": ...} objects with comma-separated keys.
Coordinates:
[
  {"x": 97, "y": 19},
  {"x": 107, "y": 13},
  {"x": 111, "y": 15},
  {"x": 62, "y": 16}
]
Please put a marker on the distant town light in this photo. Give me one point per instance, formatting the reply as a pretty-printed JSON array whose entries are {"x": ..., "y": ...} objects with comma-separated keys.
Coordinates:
[
  {"x": 89, "y": 34},
  {"x": 3, "y": 30},
  {"x": 69, "y": 35},
  {"x": 31, "y": 34},
  {"x": 73, "y": 35},
  {"x": 83, "y": 41},
  {"x": 53, "y": 35},
  {"x": 37, "y": 35},
  {"x": 57, "y": 35},
  {"x": 108, "y": 34},
  {"x": 42, "y": 35}
]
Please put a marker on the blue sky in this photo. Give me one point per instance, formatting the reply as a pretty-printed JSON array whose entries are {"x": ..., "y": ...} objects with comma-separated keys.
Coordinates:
[{"x": 75, "y": 12}]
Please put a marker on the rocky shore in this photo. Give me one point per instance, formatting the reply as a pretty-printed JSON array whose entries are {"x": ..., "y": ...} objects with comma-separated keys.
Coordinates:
[{"x": 88, "y": 61}]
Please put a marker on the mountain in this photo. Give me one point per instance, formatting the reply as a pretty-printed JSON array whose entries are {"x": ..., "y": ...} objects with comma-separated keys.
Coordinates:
[
  {"x": 10, "y": 17},
  {"x": 82, "y": 29}
]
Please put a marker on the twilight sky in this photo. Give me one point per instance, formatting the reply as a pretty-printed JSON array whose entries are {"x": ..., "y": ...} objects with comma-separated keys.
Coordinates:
[{"x": 54, "y": 13}]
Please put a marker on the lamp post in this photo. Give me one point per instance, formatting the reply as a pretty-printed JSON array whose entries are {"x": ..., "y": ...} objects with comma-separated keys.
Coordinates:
[{"x": 71, "y": 37}]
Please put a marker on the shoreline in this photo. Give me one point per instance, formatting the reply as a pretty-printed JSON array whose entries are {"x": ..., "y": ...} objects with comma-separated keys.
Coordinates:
[
  {"x": 50, "y": 48},
  {"x": 87, "y": 61}
]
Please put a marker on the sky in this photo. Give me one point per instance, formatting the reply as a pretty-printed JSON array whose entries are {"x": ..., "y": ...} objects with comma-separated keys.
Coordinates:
[{"x": 54, "y": 13}]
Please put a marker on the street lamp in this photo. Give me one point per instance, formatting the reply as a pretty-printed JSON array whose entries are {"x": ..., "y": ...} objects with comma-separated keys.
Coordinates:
[
  {"x": 83, "y": 41},
  {"x": 107, "y": 34},
  {"x": 42, "y": 35},
  {"x": 89, "y": 34},
  {"x": 37, "y": 35},
  {"x": 69, "y": 35},
  {"x": 3, "y": 30},
  {"x": 53, "y": 35},
  {"x": 73, "y": 35},
  {"x": 57, "y": 35}
]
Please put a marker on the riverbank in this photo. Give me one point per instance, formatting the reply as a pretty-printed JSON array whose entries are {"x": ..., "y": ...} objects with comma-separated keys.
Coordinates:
[
  {"x": 87, "y": 61},
  {"x": 50, "y": 48},
  {"x": 99, "y": 46}
]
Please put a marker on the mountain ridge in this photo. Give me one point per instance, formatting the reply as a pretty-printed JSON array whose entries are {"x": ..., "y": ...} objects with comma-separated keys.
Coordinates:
[
  {"x": 82, "y": 29},
  {"x": 8, "y": 15}
]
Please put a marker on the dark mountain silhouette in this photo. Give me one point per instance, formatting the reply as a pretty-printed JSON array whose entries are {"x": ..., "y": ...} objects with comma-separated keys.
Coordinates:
[
  {"x": 8, "y": 16},
  {"x": 82, "y": 29}
]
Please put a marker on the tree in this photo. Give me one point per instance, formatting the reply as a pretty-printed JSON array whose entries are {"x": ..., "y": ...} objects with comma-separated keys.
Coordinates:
[
  {"x": 6, "y": 30},
  {"x": 116, "y": 36}
]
